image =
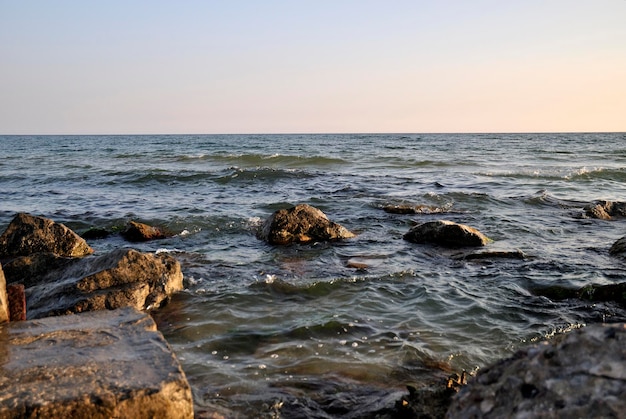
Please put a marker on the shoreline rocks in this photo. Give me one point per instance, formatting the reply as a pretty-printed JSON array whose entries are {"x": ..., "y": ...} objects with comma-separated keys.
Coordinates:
[
  {"x": 582, "y": 375},
  {"x": 446, "y": 233},
  {"x": 301, "y": 224},
  {"x": 92, "y": 365},
  {"x": 606, "y": 210}
]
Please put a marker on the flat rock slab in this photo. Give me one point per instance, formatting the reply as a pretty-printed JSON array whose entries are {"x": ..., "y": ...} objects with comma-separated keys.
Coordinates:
[{"x": 100, "y": 364}]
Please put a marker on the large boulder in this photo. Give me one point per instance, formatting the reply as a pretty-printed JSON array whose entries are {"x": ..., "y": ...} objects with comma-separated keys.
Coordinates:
[
  {"x": 27, "y": 234},
  {"x": 111, "y": 364},
  {"x": 123, "y": 277},
  {"x": 301, "y": 224},
  {"x": 582, "y": 376},
  {"x": 606, "y": 210},
  {"x": 446, "y": 233}
]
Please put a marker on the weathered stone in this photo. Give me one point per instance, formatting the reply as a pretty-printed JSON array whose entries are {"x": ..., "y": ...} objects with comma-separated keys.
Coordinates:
[
  {"x": 496, "y": 254},
  {"x": 28, "y": 270},
  {"x": 139, "y": 232},
  {"x": 606, "y": 210},
  {"x": 93, "y": 365},
  {"x": 121, "y": 278},
  {"x": 17, "y": 302},
  {"x": 27, "y": 234},
  {"x": 4, "y": 302},
  {"x": 583, "y": 375},
  {"x": 446, "y": 233},
  {"x": 301, "y": 224}
]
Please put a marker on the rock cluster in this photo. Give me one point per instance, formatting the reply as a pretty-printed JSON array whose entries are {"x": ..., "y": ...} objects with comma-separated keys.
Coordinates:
[
  {"x": 582, "y": 376},
  {"x": 114, "y": 363}
]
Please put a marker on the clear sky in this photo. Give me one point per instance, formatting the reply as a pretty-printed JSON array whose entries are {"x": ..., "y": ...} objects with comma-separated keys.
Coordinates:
[{"x": 266, "y": 66}]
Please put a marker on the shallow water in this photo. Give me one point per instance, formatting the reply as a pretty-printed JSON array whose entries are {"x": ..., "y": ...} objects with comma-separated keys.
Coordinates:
[{"x": 294, "y": 331}]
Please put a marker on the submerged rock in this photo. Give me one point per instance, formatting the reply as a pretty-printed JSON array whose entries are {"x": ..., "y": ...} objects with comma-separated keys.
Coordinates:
[
  {"x": 301, "y": 224},
  {"x": 446, "y": 233},
  {"x": 121, "y": 278},
  {"x": 413, "y": 209},
  {"x": 139, "y": 232},
  {"x": 597, "y": 293},
  {"x": 27, "y": 234},
  {"x": 584, "y": 375},
  {"x": 619, "y": 248},
  {"x": 93, "y": 365},
  {"x": 606, "y": 210}
]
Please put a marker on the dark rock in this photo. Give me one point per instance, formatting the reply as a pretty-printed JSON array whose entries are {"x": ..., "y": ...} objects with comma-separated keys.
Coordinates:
[
  {"x": 29, "y": 269},
  {"x": 4, "y": 302},
  {"x": 112, "y": 364},
  {"x": 446, "y": 233},
  {"x": 583, "y": 375},
  {"x": 606, "y": 210},
  {"x": 596, "y": 293},
  {"x": 139, "y": 232},
  {"x": 413, "y": 209},
  {"x": 96, "y": 233},
  {"x": 17, "y": 302},
  {"x": 122, "y": 278},
  {"x": 301, "y": 224},
  {"x": 27, "y": 234},
  {"x": 502, "y": 254},
  {"x": 619, "y": 248}
]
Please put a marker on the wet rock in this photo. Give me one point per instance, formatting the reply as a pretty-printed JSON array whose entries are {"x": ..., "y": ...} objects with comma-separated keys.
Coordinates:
[
  {"x": 496, "y": 254},
  {"x": 619, "y": 248},
  {"x": 606, "y": 210},
  {"x": 28, "y": 270},
  {"x": 139, "y": 232},
  {"x": 93, "y": 365},
  {"x": 446, "y": 233},
  {"x": 96, "y": 233},
  {"x": 27, "y": 234},
  {"x": 583, "y": 375},
  {"x": 17, "y": 302},
  {"x": 4, "y": 302},
  {"x": 301, "y": 224},
  {"x": 121, "y": 278},
  {"x": 413, "y": 209},
  {"x": 596, "y": 293}
]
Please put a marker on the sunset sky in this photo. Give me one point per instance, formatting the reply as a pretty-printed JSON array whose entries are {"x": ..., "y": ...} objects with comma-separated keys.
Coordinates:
[{"x": 149, "y": 67}]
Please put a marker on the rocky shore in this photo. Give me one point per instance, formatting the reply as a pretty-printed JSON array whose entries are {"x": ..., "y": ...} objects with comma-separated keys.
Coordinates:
[{"x": 58, "y": 297}]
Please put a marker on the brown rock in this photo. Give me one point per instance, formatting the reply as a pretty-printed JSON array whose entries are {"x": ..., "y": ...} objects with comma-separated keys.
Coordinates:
[
  {"x": 122, "y": 278},
  {"x": 17, "y": 302},
  {"x": 582, "y": 376},
  {"x": 139, "y": 232},
  {"x": 446, "y": 233},
  {"x": 112, "y": 364},
  {"x": 4, "y": 302},
  {"x": 301, "y": 224},
  {"x": 28, "y": 270},
  {"x": 27, "y": 234},
  {"x": 606, "y": 210}
]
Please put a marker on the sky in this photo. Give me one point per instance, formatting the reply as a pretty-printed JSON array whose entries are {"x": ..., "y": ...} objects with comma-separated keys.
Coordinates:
[{"x": 300, "y": 66}]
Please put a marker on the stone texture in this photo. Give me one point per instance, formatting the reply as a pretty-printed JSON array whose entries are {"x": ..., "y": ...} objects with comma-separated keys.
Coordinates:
[
  {"x": 606, "y": 210},
  {"x": 29, "y": 270},
  {"x": 94, "y": 365},
  {"x": 17, "y": 302},
  {"x": 27, "y": 234},
  {"x": 139, "y": 232},
  {"x": 583, "y": 375},
  {"x": 121, "y": 278},
  {"x": 619, "y": 248},
  {"x": 446, "y": 233},
  {"x": 4, "y": 302},
  {"x": 301, "y": 224}
]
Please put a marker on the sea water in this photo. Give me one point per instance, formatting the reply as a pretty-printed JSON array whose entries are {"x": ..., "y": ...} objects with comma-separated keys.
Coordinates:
[{"x": 297, "y": 330}]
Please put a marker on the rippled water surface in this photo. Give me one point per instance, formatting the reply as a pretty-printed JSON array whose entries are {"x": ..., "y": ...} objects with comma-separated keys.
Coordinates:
[{"x": 295, "y": 330}]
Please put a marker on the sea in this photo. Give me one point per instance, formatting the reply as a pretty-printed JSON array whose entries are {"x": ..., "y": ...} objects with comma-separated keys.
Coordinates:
[{"x": 340, "y": 329}]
